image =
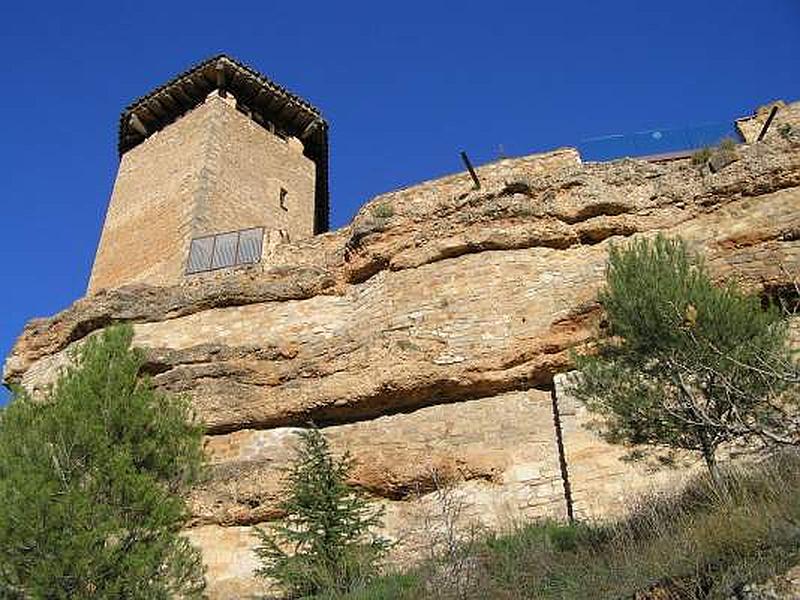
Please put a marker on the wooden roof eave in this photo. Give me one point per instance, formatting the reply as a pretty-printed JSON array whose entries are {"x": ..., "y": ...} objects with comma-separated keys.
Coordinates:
[
  {"x": 242, "y": 81},
  {"x": 274, "y": 103}
]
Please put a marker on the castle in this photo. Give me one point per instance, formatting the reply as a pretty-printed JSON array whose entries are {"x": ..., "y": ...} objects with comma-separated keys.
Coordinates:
[{"x": 428, "y": 337}]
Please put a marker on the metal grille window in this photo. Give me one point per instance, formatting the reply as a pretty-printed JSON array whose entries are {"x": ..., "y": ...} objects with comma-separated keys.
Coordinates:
[
  {"x": 225, "y": 250},
  {"x": 200, "y": 253},
  {"x": 249, "y": 246}
]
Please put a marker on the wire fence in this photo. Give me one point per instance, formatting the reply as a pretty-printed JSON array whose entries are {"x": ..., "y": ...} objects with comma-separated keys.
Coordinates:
[{"x": 656, "y": 141}]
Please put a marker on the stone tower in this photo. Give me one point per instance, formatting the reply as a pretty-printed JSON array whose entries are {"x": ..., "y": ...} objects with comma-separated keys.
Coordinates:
[{"x": 213, "y": 164}]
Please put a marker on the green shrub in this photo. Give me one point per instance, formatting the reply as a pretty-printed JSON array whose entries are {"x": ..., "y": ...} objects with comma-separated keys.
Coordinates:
[
  {"x": 326, "y": 542},
  {"x": 701, "y": 156},
  {"x": 786, "y": 131},
  {"x": 400, "y": 586},
  {"x": 382, "y": 211},
  {"x": 727, "y": 145},
  {"x": 686, "y": 364},
  {"x": 90, "y": 477}
]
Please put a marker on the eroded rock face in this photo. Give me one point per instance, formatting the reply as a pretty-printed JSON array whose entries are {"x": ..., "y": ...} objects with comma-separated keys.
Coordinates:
[
  {"x": 781, "y": 587},
  {"x": 424, "y": 337}
]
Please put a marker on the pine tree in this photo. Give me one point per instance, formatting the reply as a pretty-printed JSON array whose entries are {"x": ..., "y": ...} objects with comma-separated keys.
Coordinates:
[
  {"x": 326, "y": 541},
  {"x": 686, "y": 364},
  {"x": 90, "y": 478}
]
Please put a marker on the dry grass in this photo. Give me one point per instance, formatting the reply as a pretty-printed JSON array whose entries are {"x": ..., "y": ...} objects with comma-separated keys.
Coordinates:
[{"x": 698, "y": 544}]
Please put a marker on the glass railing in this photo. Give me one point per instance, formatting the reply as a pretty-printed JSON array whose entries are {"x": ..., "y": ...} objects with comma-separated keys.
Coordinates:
[{"x": 656, "y": 142}]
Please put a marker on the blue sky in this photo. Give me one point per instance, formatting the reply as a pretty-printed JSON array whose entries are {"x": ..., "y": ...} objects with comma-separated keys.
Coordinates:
[{"x": 405, "y": 86}]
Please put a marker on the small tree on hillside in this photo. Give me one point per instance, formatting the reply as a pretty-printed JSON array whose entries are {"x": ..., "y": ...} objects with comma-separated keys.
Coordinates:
[
  {"x": 326, "y": 541},
  {"x": 686, "y": 364},
  {"x": 90, "y": 478}
]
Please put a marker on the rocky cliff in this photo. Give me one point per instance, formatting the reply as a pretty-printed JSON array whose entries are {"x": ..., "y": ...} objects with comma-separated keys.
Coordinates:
[{"x": 425, "y": 336}]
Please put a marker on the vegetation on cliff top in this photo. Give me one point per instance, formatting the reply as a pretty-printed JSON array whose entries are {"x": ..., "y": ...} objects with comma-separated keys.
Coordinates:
[{"x": 90, "y": 481}]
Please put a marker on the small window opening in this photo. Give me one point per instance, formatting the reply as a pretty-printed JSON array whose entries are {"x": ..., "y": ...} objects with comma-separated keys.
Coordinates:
[{"x": 283, "y": 197}]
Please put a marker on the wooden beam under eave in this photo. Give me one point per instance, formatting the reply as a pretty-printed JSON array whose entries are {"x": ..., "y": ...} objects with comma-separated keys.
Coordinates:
[
  {"x": 255, "y": 90},
  {"x": 181, "y": 95},
  {"x": 219, "y": 74},
  {"x": 283, "y": 110},
  {"x": 310, "y": 128},
  {"x": 170, "y": 102},
  {"x": 272, "y": 104},
  {"x": 148, "y": 117},
  {"x": 256, "y": 103},
  {"x": 232, "y": 76},
  {"x": 135, "y": 122},
  {"x": 198, "y": 90},
  {"x": 205, "y": 79},
  {"x": 291, "y": 117},
  {"x": 160, "y": 111}
]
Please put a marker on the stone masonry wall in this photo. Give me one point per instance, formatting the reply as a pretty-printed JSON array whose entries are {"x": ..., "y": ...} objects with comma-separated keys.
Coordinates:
[
  {"x": 214, "y": 170},
  {"x": 602, "y": 482},
  {"x": 500, "y": 450},
  {"x": 248, "y": 166},
  {"x": 428, "y": 341},
  {"x": 148, "y": 221}
]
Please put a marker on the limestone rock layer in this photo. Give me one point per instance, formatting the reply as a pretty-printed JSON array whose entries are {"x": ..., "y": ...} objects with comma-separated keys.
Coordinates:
[{"x": 424, "y": 337}]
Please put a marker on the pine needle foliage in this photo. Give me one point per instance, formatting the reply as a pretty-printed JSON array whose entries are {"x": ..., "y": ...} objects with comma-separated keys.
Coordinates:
[
  {"x": 326, "y": 541},
  {"x": 687, "y": 364},
  {"x": 90, "y": 477}
]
